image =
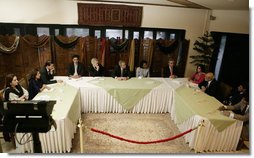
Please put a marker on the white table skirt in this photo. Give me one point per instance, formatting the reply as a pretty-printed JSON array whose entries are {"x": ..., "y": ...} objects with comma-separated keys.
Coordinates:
[
  {"x": 207, "y": 138},
  {"x": 66, "y": 113},
  {"x": 59, "y": 141},
  {"x": 95, "y": 99}
]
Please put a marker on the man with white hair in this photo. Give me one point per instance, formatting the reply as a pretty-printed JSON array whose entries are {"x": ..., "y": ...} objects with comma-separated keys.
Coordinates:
[
  {"x": 209, "y": 85},
  {"x": 95, "y": 69}
]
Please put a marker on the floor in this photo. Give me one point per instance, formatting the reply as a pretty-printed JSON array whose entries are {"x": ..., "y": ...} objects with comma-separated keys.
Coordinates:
[{"x": 143, "y": 127}]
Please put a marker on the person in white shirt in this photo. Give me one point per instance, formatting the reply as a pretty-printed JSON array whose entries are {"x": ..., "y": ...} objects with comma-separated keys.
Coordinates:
[
  {"x": 14, "y": 91},
  {"x": 143, "y": 70}
]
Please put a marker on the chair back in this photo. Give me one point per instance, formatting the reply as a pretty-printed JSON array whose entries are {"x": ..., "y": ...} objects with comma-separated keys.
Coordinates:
[{"x": 23, "y": 83}]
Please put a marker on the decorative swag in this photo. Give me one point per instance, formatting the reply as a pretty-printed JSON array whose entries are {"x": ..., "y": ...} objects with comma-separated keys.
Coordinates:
[
  {"x": 167, "y": 46},
  {"x": 42, "y": 41},
  {"x": 12, "y": 48},
  {"x": 117, "y": 46},
  {"x": 70, "y": 44},
  {"x": 109, "y": 15}
]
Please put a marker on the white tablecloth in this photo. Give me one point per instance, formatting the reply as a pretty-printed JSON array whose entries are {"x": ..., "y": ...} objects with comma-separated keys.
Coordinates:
[
  {"x": 206, "y": 138},
  {"x": 159, "y": 100},
  {"x": 66, "y": 113},
  {"x": 96, "y": 99}
]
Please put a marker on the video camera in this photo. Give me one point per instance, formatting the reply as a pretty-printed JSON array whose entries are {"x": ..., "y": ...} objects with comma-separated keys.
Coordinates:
[{"x": 27, "y": 116}]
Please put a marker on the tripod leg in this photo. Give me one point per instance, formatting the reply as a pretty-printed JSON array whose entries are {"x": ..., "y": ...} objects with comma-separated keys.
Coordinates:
[{"x": 37, "y": 143}]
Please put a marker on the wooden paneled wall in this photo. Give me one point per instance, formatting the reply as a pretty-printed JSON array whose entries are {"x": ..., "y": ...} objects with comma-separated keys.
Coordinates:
[{"x": 28, "y": 56}]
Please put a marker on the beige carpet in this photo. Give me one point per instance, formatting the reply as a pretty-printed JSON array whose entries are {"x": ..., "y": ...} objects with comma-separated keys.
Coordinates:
[{"x": 139, "y": 127}]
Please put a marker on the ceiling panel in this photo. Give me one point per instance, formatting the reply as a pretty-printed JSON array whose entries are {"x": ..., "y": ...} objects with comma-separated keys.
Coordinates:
[{"x": 202, "y": 4}]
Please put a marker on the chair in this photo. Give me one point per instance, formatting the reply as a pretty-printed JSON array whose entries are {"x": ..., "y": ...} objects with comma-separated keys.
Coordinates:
[
  {"x": 224, "y": 90},
  {"x": 1, "y": 94},
  {"x": 27, "y": 78},
  {"x": 162, "y": 72},
  {"x": 23, "y": 83}
]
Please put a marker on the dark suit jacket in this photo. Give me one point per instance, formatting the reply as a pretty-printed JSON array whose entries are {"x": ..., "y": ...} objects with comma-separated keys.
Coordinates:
[
  {"x": 166, "y": 71},
  {"x": 212, "y": 90},
  {"x": 80, "y": 69},
  {"x": 117, "y": 72},
  {"x": 46, "y": 77},
  {"x": 93, "y": 72}
]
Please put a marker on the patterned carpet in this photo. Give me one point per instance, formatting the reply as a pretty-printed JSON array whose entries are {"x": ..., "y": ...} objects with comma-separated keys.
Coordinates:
[{"x": 139, "y": 127}]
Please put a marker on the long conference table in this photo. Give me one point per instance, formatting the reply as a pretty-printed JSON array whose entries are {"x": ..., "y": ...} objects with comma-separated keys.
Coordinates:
[{"x": 187, "y": 106}]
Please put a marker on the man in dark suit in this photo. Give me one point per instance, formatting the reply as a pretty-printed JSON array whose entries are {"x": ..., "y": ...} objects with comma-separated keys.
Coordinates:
[
  {"x": 75, "y": 69},
  {"x": 47, "y": 73},
  {"x": 96, "y": 69},
  {"x": 243, "y": 106},
  {"x": 121, "y": 71},
  {"x": 170, "y": 70},
  {"x": 209, "y": 85}
]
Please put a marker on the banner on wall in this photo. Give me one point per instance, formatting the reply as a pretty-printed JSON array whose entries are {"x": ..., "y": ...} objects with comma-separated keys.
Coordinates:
[{"x": 109, "y": 15}]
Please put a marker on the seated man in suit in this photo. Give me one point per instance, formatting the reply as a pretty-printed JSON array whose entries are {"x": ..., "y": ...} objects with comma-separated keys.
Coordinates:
[
  {"x": 95, "y": 69},
  {"x": 242, "y": 106},
  {"x": 236, "y": 95},
  {"x": 209, "y": 85},
  {"x": 170, "y": 70},
  {"x": 47, "y": 73},
  {"x": 121, "y": 71},
  {"x": 75, "y": 69}
]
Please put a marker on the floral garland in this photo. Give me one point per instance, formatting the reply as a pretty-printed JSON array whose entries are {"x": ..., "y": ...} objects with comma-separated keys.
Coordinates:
[{"x": 11, "y": 49}]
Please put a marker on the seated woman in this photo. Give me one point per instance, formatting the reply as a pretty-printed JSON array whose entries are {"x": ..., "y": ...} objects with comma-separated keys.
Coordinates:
[
  {"x": 199, "y": 75},
  {"x": 143, "y": 70},
  {"x": 13, "y": 91},
  {"x": 35, "y": 84}
]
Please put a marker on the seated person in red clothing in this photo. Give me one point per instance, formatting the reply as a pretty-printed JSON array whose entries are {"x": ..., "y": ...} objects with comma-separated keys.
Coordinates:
[{"x": 199, "y": 75}]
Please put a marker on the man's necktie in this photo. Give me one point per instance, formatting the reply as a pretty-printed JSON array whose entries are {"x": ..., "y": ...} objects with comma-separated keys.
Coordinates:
[{"x": 121, "y": 72}]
